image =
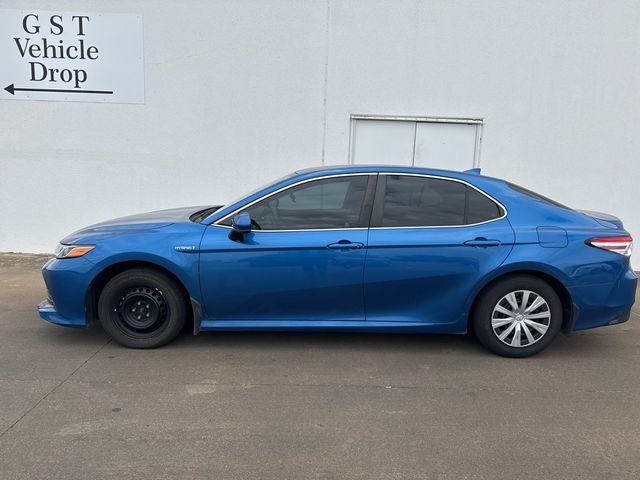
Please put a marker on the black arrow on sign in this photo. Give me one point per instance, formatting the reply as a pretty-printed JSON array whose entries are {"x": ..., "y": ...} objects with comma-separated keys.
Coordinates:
[{"x": 12, "y": 89}]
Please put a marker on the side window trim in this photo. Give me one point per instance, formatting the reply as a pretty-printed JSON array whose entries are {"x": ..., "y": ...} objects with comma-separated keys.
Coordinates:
[
  {"x": 376, "y": 217},
  {"x": 378, "y": 202},
  {"x": 369, "y": 201},
  {"x": 365, "y": 214}
]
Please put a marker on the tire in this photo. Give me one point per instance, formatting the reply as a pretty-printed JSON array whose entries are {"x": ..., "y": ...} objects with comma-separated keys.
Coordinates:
[
  {"x": 142, "y": 308},
  {"x": 507, "y": 328}
]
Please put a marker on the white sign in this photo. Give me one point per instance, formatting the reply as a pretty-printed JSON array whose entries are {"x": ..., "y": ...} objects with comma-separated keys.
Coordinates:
[{"x": 71, "y": 56}]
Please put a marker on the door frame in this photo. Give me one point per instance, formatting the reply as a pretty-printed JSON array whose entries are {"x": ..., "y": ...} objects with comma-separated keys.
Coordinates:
[
  {"x": 378, "y": 201},
  {"x": 478, "y": 121},
  {"x": 367, "y": 206}
]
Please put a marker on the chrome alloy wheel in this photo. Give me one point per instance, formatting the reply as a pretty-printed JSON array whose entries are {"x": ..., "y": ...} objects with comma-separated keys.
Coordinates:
[{"x": 521, "y": 318}]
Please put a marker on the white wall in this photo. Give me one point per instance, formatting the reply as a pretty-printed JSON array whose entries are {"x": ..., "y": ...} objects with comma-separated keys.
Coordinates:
[{"x": 238, "y": 92}]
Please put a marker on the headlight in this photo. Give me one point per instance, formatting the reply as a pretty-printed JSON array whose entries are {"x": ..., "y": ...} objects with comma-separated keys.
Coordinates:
[{"x": 72, "y": 251}]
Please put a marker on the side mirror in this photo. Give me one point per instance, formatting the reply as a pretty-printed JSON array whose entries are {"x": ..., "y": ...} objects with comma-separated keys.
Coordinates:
[{"x": 240, "y": 226}]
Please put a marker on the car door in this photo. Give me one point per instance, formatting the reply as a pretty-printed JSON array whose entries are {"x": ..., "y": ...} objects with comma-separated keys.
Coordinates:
[
  {"x": 431, "y": 240},
  {"x": 303, "y": 260}
]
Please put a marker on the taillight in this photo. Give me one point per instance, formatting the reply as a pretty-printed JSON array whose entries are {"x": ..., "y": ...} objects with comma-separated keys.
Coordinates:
[{"x": 621, "y": 245}]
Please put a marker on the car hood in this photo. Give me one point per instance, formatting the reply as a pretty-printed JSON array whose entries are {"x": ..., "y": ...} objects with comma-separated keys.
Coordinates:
[{"x": 140, "y": 222}]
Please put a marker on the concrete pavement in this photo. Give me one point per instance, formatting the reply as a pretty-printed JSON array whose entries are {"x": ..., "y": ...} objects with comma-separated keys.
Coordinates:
[{"x": 297, "y": 406}]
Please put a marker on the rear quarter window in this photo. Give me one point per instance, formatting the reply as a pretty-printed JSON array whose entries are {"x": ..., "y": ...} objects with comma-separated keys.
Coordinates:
[{"x": 480, "y": 208}]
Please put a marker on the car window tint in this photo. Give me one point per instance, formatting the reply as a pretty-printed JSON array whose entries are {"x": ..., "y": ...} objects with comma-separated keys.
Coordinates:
[
  {"x": 536, "y": 196},
  {"x": 419, "y": 201},
  {"x": 326, "y": 203},
  {"x": 413, "y": 201},
  {"x": 323, "y": 195},
  {"x": 480, "y": 208}
]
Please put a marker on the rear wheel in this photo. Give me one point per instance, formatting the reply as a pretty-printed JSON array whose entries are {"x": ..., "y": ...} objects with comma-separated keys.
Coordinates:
[
  {"x": 518, "y": 316},
  {"x": 142, "y": 308}
]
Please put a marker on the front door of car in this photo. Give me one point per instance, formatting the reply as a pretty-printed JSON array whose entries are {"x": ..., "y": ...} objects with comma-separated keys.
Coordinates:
[
  {"x": 302, "y": 261},
  {"x": 430, "y": 242}
]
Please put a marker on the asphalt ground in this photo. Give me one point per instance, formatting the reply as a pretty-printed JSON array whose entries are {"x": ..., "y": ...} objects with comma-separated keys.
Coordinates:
[{"x": 74, "y": 405}]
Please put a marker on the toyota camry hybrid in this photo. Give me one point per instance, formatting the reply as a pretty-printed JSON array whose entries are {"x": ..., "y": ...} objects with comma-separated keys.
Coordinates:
[{"x": 371, "y": 248}]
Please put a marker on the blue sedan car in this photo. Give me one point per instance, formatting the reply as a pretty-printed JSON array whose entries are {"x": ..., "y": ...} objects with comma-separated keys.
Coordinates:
[{"x": 370, "y": 248}]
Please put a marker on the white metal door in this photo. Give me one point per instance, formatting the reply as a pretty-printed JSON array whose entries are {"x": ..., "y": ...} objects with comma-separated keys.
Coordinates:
[
  {"x": 383, "y": 142},
  {"x": 451, "y": 144}
]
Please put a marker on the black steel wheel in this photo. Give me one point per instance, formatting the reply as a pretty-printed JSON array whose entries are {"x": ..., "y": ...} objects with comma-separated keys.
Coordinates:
[{"x": 142, "y": 308}]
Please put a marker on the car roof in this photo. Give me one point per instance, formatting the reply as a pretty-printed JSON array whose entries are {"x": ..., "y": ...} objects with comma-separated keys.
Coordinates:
[
  {"x": 368, "y": 167},
  {"x": 340, "y": 169}
]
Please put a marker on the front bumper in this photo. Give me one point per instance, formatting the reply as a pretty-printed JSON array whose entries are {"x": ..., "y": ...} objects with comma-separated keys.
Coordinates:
[
  {"x": 67, "y": 282},
  {"x": 48, "y": 312}
]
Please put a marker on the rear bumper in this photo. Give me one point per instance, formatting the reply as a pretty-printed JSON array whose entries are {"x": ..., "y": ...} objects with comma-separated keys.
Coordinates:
[
  {"x": 601, "y": 305},
  {"x": 621, "y": 319}
]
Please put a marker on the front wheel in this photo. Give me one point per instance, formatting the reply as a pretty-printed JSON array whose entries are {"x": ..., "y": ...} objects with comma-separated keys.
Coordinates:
[
  {"x": 518, "y": 316},
  {"x": 142, "y": 308}
]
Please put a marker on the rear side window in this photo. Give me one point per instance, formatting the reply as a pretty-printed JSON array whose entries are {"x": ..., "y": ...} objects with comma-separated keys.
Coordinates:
[{"x": 413, "y": 201}]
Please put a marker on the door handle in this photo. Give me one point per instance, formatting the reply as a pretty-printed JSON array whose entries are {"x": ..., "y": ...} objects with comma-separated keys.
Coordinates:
[
  {"x": 345, "y": 244},
  {"x": 482, "y": 242}
]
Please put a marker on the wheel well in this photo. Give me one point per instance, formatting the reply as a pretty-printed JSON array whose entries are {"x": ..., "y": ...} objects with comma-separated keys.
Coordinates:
[
  {"x": 98, "y": 283},
  {"x": 568, "y": 310}
]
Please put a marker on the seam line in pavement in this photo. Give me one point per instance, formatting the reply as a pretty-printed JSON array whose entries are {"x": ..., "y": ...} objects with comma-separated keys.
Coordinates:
[
  {"x": 365, "y": 386},
  {"x": 54, "y": 389}
]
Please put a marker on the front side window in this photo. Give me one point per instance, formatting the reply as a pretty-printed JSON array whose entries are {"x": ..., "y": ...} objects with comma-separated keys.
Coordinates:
[
  {"x": 413, "y": 201},
  {"x": 320, "y": 204}
]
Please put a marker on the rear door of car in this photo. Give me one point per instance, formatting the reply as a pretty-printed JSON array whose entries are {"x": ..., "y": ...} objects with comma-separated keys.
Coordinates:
[{"x": 431, "y": 240}]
